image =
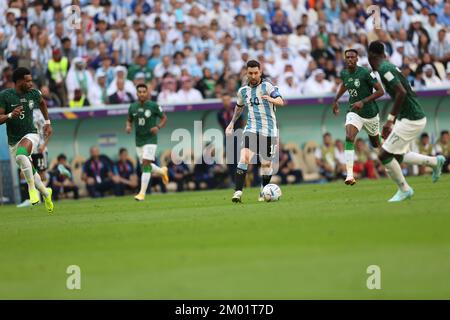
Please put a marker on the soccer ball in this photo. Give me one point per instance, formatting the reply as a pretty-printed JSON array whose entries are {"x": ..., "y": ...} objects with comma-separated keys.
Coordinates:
[{"x": 271, "y": 192}]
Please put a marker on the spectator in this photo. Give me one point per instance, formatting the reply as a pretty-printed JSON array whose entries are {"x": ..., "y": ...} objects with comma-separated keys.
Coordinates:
[
  {"x": 290, "y": 87},
  {"x": 51, "y": 99},
  {"x": 140, "y": 67},
  {"x": 124, "y": 177},
  {"x": 444, "y": 17},
  {"x": 79, "y": 100},
  {"x": 78, "y": 78},
  {"x": 125, "y": 48},
  {"x": 19, "y": 48},
  {"x": 433, "y": 27},
  {"x": 121, "y": 73},
  {"x": 443, "y": 148},
  {"x": 325, "y": 157},
  {"x": 41, "y": 55},
  {"x": 430, "y": 78},
  {"x": 280, "y": 24},
  {"x": 317, "y": 84},
  {"x": 286, "y": 167},
  {"x": 107, "y": 70},
  {"x": 97, "y": 174},
  {"x": 207, "y": 85},
  {"x": 364, "y": 166},
  {"x": 98, "y": 95},
  {"x": 168, "y": 92},
  {"x": 61, "y": 180},
  {"x": 57, "y": 72},
  {"x": 179, "y": 173},
  {"x": 187, "y": 94},
  {"x": 425, "y": 147},
  {"x": 121, "y": 96},
  {"x": 440, "y": 49},
  {"x": 339, "y": 155}
]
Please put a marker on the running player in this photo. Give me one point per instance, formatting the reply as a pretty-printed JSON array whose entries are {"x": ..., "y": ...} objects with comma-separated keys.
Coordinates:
[
  {"x": 260, "y": 135},
  {"x": 363, "y": 111},
  {"x": 16, "y": 110},
  {"x": 144, "y": 113},
  {"x": 404, "y": 124}
]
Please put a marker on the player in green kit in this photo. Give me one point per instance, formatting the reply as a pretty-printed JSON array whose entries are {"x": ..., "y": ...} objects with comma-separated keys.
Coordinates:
[
  {"x": 144, "y": 114},
  {"x": 404, "y": 124},
  {"x": 16, "y": 110},
  {"x": 363, "y": 112}
]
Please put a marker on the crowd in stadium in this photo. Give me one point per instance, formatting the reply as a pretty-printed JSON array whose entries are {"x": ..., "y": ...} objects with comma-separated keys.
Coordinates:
[{"x": 186, "y": 51}]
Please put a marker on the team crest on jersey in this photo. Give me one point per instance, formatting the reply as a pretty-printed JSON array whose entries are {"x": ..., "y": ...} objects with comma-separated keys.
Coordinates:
[
  {"x": 357, "y": 83},
  {"x": 31, "y": 104},
  {"x": 147, "y": 113},
  {"x": 351, "y": 79}
]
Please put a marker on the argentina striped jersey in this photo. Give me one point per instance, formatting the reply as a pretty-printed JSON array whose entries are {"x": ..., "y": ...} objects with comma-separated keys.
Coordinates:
[{"x": 261, "y": 113}]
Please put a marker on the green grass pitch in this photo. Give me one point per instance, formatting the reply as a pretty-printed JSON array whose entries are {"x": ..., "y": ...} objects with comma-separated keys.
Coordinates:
[{"x": 316, "y": 243}]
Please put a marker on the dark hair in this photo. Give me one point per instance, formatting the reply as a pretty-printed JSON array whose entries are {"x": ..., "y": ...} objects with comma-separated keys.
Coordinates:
[
  {"x": 351, "y": 50},
  {"x": 141, "y": 85},
  {"x": 62, "y": 156},
  {"x": 376, "y": 47},
  {"x": 424, "y": 135},
  {"x": 122, "y": 150},
  {"x": 327, "y": 134},
  {"x": 444, "y": 132},
  {"x": 253, "y": 64},
  {"x": 20, "y": 73}
]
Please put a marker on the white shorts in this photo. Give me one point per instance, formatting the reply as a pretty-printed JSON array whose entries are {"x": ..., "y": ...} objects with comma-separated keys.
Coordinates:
[
  {"x": 33, "y": 137},
  {"x": 404, "y": 132},
  {"x": 146, "y": 152},
  {"x": 372, "y": 125}
]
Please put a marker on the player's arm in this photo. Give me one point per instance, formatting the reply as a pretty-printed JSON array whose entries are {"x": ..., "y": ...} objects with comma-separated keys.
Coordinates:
[
  {"x": 47, "y": 126},
  {"x": 129, "y": 122},
  {"x": 400, "y": 95},
  {"x": 160, "y": 125},
  {"x": 236, "y": 115},
  {"x": 340, "y": 92},
  {"x": 379, "y": 91},
  {"x": 275, "y": 98}
]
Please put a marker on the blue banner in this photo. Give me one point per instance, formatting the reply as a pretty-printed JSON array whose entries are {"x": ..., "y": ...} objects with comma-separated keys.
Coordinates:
[{"x": 4, "y": 150}]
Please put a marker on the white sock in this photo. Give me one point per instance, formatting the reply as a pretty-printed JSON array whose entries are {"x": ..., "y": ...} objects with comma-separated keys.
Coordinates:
[
  {"x": 156, "y": 169},
  {"x": 394, "y": 171},
  {"x": 27, "y": 169},
  {"x": 349, "y": 159},
  {"x": 145, "y": 180},
  {"x": 40, "y": 185},
  {"x": 419, "y": 159}
]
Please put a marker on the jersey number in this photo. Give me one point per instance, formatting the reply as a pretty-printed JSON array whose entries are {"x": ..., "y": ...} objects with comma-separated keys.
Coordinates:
[
  {"x": 353, "y": 92},
  {"x": 22, "y": 115},
  {"x": 255, "y": 101},
  {"x": 141, "y": 121}
]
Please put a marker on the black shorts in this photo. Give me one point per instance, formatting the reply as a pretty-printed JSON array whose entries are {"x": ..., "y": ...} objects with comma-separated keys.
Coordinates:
[
  {"x": 265, "y": 147},
  {"x": 40, "y": 162}
]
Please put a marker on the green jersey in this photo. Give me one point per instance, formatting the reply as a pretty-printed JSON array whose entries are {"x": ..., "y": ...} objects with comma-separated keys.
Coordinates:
[
  {"x": 360, "y": 85},
  {"x": 144, "y": 118},
  {"x": 17, "y": 128},
  {"x": 391, "y": 76}
]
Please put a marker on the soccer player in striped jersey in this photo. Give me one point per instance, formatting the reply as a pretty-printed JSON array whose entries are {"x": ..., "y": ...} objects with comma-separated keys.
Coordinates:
[
  {"x": 363, "y": 110},
  {"x": 404, "y": 124},
  {"x": 260, "y": 135}
]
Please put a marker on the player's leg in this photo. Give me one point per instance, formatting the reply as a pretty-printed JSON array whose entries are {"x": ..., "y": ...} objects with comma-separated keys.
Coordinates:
[
  {"x": 146, "y": 155},
  {"x": 391, "y": 155},
  {"x": 241, "y": 173},
  {"x": 353, "y": 124},
  {"x": 436, "y": 163},
  {"x": 22, "y": 155},
  {"x": 267, "y": 151},
  {"x": 40, "y": 164}
]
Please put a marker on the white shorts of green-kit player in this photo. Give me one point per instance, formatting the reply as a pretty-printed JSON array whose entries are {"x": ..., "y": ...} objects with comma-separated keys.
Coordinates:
[
  {"x": 146, "y": 152},
  {"x": 33, "y": 137},
  {"x": 403, "y": 133},
  {"x": 371, "y": 125}
]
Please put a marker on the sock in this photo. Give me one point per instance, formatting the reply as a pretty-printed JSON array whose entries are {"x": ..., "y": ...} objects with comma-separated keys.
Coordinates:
[
  {"x": 241, "y": 171},
  {"x": 266, "y": 176},
  {"x": 27, "y": 169},
  {"x": 156, "y": 169},
  {"x": 145, "y": 178},
  {"x": 349, "y": 157},
  {"x": 420, "y": 159},
  {"x": 394, "y": 171},
  {"x": 40, "y": 185}
]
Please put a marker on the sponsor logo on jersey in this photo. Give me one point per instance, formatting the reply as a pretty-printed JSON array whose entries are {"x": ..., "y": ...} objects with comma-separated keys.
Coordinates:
[
  {"x": 147, "y": 113},
  {"x": 31, "y": 104},
  {"x": 357, "y": 83}
]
